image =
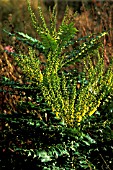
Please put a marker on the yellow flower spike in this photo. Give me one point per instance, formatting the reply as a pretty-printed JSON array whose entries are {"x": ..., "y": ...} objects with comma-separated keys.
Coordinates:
[
  {"x": 41, "y": 77},
  {"x": 93, "y": 111},
  {"x": 99, "y": 102},
  {"x": 79, "y": 118},
  {"x": 86, "y": 109}
]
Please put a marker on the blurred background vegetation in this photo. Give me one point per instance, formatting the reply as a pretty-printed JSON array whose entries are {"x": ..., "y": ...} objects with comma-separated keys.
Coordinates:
[{"x": 93, "y": 16}]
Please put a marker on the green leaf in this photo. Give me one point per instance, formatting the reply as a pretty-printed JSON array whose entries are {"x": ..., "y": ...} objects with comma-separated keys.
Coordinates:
[
  {"x": 90, "y": 139},
  {"x": 87, "y": 143},
  {"x": 44, "y": 156}
]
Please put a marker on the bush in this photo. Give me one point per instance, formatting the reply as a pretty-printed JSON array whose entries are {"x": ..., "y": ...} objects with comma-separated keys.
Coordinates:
[
  {"x": 58, "y": 131},
  {"x": 58, "y": 90}
]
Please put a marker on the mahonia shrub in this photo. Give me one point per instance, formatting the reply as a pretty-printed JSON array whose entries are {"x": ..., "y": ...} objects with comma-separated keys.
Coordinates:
[{"x": 60, "y": 91}]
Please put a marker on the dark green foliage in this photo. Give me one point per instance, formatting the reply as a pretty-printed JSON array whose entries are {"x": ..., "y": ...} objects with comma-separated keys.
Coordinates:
[
  {"x": 28, "y": 142},
  {"x": 100, "y": 128},
  {"x": 31, "y": 143}
]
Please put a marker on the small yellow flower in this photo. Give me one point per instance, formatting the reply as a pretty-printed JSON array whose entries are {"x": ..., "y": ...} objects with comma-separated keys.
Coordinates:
[
  {"x": 110, "y": 78},
  {"x": 57, "y": 114},
  {"x": 83, "y": 114},
  {"x": 53, "y": 109},
  {"x": 72, "y": 116},
  {"x": 79, "y": 117}
]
